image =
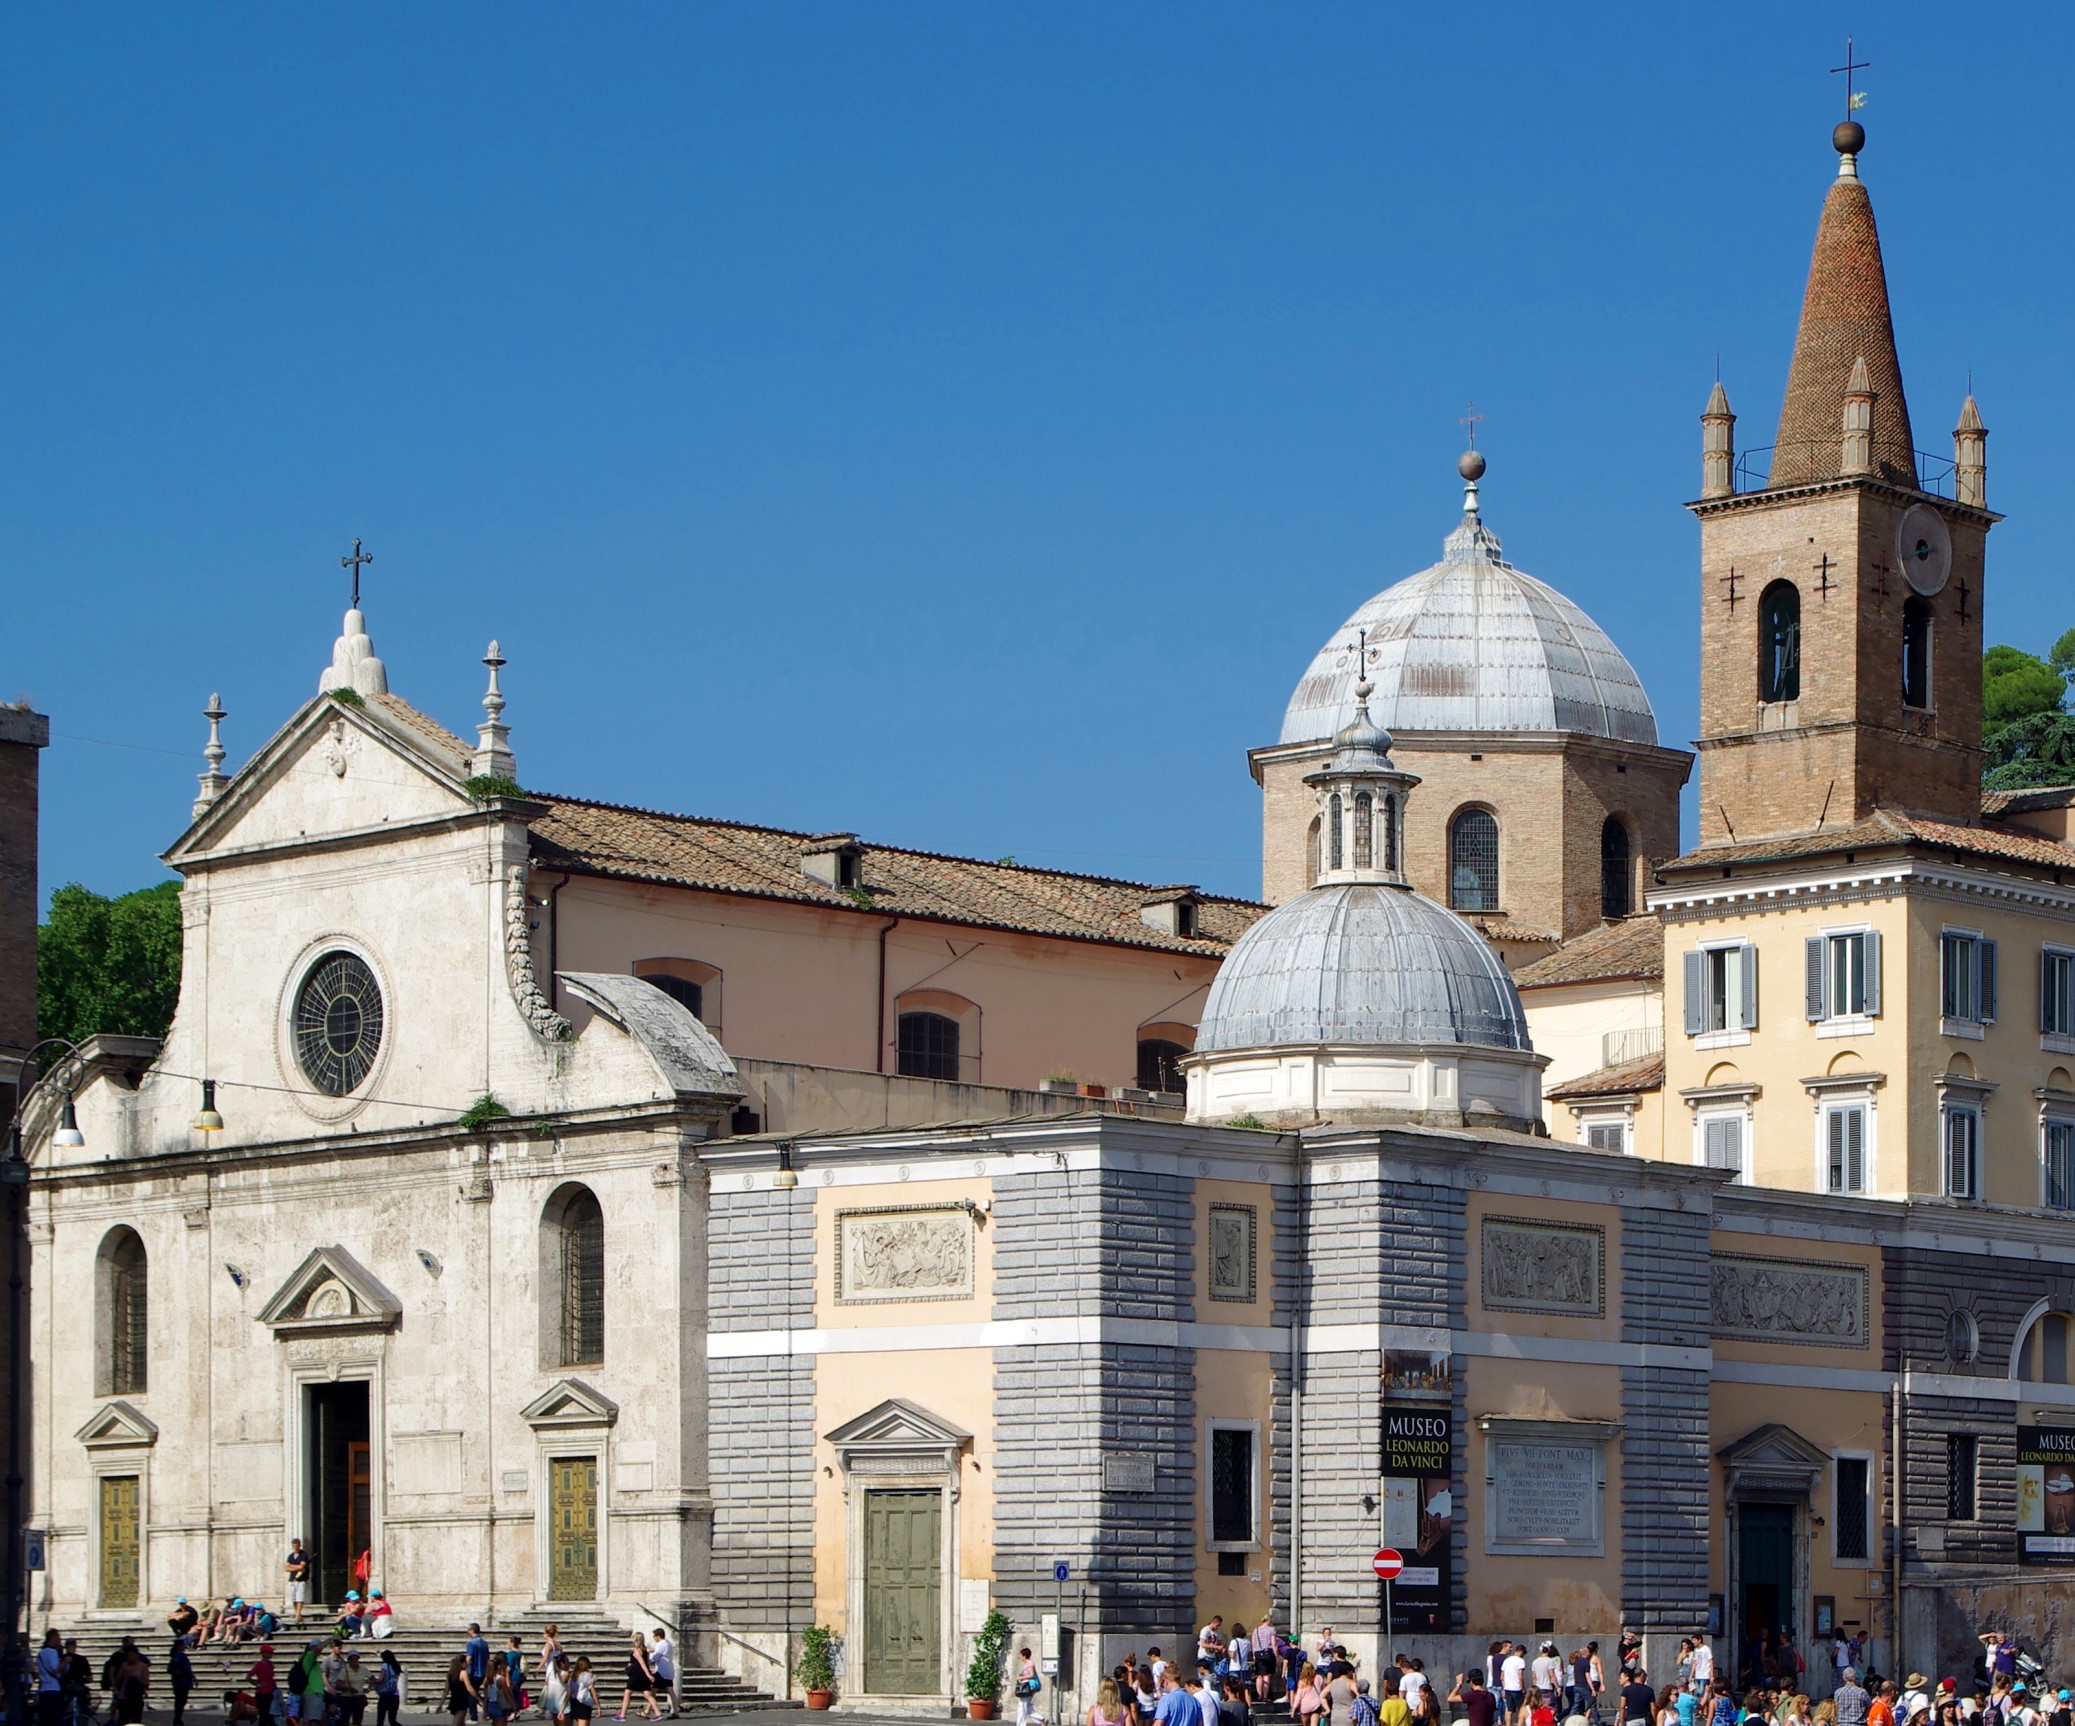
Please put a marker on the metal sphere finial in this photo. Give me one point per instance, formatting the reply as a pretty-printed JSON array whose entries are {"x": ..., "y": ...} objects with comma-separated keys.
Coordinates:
[
  {"x": 1849, "y": 138},
  {"x": 1470, "y": 465}
]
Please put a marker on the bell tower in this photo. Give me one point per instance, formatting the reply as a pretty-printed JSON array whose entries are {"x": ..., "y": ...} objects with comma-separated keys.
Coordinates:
[{"x": 1840, "y": 596}]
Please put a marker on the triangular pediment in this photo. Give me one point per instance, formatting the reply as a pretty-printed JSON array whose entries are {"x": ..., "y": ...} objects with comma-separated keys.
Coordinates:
[
  {"x": 570, "y": 1402},
  {"x": 1775, "y": 1445},
  {"x": 330, "y": 1291},
  {"x": 338, "y": 767},
  {"x": 897, "y": 1424},
  {"x": 118, "y": 1426}
]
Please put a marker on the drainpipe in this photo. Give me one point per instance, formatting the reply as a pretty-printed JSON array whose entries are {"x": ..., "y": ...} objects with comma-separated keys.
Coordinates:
[
  {"x": 555, "y": 918},
  {"x": 879, "y": 1031},
  {"x": 1296, "y": 1528},
  {"x": 1896, "y": 1475}
]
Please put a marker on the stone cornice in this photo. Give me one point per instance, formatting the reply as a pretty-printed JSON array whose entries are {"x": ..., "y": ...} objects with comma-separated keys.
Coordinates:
[
  {"x": 1783, "y": 884},
  {"x": 1490, "y": 743},
  {"x": 1751, "y": 502}
]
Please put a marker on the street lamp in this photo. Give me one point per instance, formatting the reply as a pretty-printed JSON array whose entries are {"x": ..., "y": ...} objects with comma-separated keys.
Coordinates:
[{"x": 65, "y": 1076}]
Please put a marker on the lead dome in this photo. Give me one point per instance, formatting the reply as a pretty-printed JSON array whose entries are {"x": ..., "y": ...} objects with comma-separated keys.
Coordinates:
[{"x": 1473, "y": 644}]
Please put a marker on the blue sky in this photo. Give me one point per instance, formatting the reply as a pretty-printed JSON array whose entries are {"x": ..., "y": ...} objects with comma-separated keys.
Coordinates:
[{"x": 957, "y": 424}]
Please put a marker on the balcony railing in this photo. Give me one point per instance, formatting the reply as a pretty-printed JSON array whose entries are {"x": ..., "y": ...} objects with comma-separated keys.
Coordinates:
[
  {"x": 1934, "y": 473},
  {"x": 1618, "y": 1048}
]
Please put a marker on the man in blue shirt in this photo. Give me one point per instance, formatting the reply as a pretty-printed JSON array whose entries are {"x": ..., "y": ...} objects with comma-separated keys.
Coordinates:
[
  {"x": 478, "y": 1654},
  {"x": 50, "y": 1680},
  {"x": 1176, "y": 1707}
]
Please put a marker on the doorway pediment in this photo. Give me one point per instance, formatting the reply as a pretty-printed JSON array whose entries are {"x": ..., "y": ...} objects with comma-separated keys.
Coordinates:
[
  {"x": 330, "y": 1292},
  {"x": 1773, "y": 1458},
  {"x": 118, "y": 1426},
  {"x": 897, "y": 1436},
  {"x": 569, "y": 1402}
]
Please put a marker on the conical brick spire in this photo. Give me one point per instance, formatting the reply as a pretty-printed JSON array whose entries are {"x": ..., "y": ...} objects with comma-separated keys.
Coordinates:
[{"x": 1844, "y": 317}]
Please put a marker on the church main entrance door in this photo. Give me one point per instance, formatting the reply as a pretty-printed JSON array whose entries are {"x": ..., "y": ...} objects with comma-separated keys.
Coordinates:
[
  {"x": 342, "y": 1490},
  {"x": 904, "y": 1562},
  {"x": 573, "y": 1528},
  {"x": 119, "y": 1540},
  {"x": 1765, "y": 1536}
]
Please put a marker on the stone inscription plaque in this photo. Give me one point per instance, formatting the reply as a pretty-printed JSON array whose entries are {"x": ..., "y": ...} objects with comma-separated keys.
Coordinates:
[
  {"x": 1533, "y": 1266},
  {"x": 923, "y": 1252},
  {"x": 1544, "y": 1496},
  {"x": 1816, "y": 1303}
]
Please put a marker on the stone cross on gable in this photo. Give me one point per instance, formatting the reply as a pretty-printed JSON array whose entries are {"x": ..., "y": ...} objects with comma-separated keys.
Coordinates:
[{"x": 353, "y": 563}]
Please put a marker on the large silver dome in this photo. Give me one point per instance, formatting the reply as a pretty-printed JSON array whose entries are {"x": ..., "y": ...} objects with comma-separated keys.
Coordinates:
[
  {"x": 1359, "y": 964},
  {"x": 1473, "y": 644}
]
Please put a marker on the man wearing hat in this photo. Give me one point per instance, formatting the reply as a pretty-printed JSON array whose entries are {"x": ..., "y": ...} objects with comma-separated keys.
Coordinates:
[{"x": 1916, "y": 1696}]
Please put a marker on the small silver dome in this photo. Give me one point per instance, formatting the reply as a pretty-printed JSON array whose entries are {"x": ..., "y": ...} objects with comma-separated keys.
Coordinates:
[
  {"x": 1473, "y": 644},
  {"x": 1363, "y": 965}
]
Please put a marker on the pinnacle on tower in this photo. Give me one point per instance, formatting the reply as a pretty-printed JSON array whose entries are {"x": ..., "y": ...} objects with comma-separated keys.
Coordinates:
[
  {"x": 1844, "y": 318},
  {"x": 1858, "y": 420},
  {"x": 1970, "y": 456},
  {"x": 1717, "y": 445}
]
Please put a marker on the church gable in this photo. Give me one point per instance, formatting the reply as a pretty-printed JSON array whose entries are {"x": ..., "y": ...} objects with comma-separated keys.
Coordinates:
[
  {"x": 342, "y": 765},
  {"x": 330, "y": 1291}
]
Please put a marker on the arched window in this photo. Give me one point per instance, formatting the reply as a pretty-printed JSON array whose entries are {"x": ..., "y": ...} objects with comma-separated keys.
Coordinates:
[
  {"x": 1473, "y": 861},
  {"x": 1365, "y": 821},
  {"x": 1390, "y": 834},
  {"x": 125, "y": 1314},
  {"x": 1779, "y": 643},
  {"x": 1334, "y": 841},
  {"x": 1916, "y": 652},
  {"x": 928, "y": 1046},
  {"x": 1616, "y": 873},
  {"x": 1160, "y": 1065},
  {"x": 572, "y": 1240},
  {"x": 2042, "y": 1357},
  {"x": 691, "y": 983}
]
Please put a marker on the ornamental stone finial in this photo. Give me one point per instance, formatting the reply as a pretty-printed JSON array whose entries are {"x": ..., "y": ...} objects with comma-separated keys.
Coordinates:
[
  {"x": 493, "y": 754},
  {"x": 214, "y": 779}
]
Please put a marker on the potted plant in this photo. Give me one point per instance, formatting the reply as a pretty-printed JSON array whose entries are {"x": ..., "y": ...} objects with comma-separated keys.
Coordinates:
[
  {"x": 983, "y": 1671},
  {"x": 816, "y": 1669}
]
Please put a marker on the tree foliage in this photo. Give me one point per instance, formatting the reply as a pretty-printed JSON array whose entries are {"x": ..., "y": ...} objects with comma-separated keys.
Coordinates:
[{"x": 108, "y": 965}]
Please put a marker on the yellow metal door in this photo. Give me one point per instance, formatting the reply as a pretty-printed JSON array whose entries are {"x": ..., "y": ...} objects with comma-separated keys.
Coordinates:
[
  {"x": 573, "y": 1528},
  {"x": 119, "y": 1542}
]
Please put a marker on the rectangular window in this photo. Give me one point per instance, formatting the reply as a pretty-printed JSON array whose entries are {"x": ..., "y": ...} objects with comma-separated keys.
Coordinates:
[
  {"x": 1721, "y": 989},
  {"x": 1722, "y": 1142},
  {"x": 1966, "y": 978},
  {"x": 1846, "y": 1137},
  {"x": 1844, "y": 974},
  {"x": 1959, "y": 1477},
  {"x": 1962, "y": 1152},
  {"x": 2058, "y": 1151},
  {"x": 1232, "y": 1486},
  {"x": 1854, "y": 1507},
  {"x": 1609, "y": 1136},
  {"x": 2057, "y": 993}
]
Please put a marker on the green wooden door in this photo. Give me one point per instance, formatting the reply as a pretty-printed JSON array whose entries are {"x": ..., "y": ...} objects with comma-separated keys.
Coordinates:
[
  {"x": 573, "y": 1528},
  {"x": 1766, "y": 1557},
  {"x": 904, "y": 1602},
  {"x": 119, "y": 1540}
]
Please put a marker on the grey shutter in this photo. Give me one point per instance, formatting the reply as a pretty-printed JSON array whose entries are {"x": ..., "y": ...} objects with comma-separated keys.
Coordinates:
[
  {"x": 1747, "y": 957},
  {"x": 1873, "y": 971},
  {"x": 1855, "y": 1150},
  {"x": 1987, "y": 961},
  {"x": 1696, "y": 992},
  {"x": 1837, "y": 1148},
  {"x": 2046, "y": 1007},
  {"x": 1818, "y": 951}
]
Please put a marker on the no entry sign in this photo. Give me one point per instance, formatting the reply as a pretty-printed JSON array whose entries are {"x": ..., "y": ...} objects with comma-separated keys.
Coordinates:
[{"x": 1389, "y": 1562}]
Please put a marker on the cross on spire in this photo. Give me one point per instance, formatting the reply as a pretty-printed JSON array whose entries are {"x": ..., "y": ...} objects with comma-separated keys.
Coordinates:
[
  {"x": 353, "y": 563},
  {"x": 1470, "y": 422},
  {"x": 1853, "y": 100}
]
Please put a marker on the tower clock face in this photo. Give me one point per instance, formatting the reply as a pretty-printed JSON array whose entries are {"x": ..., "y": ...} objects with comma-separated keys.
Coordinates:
[
  {"x": 338, "y": 1023},
  {"x": 1925, "y": 546}
]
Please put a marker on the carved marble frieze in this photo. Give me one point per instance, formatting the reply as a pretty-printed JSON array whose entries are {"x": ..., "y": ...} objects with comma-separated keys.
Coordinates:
[
  {"x": 1232, "y": 1252},
  {"x": 1534, "y": 1266},
  {"x": 1815, "y": 1302},
  {"x": 904, "y": 1252}
]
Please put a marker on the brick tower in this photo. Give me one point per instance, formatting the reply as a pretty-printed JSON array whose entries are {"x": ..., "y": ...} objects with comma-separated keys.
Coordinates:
[{"x": 1841, "y": 599}]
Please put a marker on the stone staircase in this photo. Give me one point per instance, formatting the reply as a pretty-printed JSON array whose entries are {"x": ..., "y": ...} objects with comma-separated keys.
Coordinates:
[{"x": 424, "y": 1652}]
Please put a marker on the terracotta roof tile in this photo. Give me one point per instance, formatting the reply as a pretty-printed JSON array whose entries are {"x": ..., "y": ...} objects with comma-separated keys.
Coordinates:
[
  {"x": 1646, "y": 1074},
  {"x": 764, "y": 862},
  {"x": 1627, "y": 947},
  {"x": 1886, "y": 828},
  {"x": 1996, "y": 805},
  {"x": 427, "y": 729}
]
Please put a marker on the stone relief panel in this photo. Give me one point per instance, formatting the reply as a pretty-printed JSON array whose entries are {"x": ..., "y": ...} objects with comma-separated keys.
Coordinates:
[
  {"x": 1535, "y": 1266},
  {"x": 1818, "y": 1303},
  {"x": 1232, "y": 1252},
  {"x": 904, "y": 1252}
]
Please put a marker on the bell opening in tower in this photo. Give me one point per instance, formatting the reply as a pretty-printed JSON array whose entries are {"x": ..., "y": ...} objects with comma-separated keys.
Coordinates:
[{"x": 340, "y": 1479}]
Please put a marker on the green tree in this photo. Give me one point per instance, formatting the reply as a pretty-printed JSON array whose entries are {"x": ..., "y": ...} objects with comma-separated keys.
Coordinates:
[
  {"x": 109, "y": 964},
  {"x": 2017, "y": 685}
]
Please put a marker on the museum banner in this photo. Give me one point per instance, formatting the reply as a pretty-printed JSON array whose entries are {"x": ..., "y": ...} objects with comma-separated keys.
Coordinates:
[
  {"x": 1419, "y": 1486},
  {"x": 2046, "y": 1494}
]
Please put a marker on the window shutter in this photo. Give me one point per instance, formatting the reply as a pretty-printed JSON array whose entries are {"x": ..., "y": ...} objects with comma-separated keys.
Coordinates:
[
  {"x": 2047, "y": 1014},
  {"x": 1855, "y": 1151},
  {"x": 1837, "y": 1151},
  {"x": 1872, "y": 939},
  {"x": 1696, "y": 992},
  {"x": 1818, "y": 951},
  {"x": 1987, "y": 961},
  {"x": 1747, "y": 957}
]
